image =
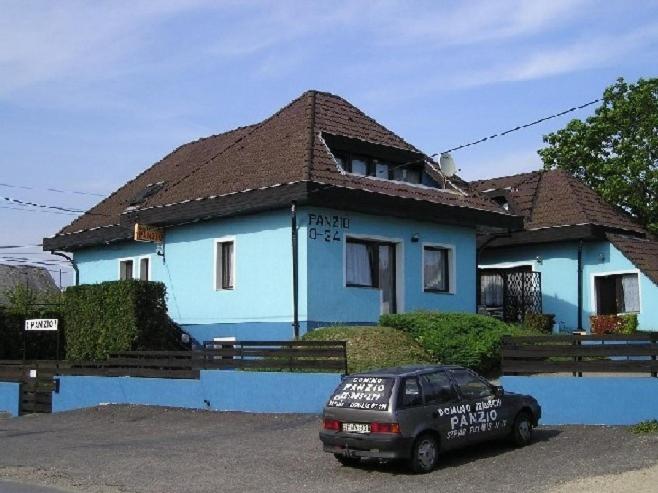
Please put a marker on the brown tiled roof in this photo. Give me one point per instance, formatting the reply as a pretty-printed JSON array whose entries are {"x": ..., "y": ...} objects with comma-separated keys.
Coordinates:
[
  {"x": 556, "y": 198},
  {"x": 287, "y": 147},
  {"x": 642, "y": 252}
]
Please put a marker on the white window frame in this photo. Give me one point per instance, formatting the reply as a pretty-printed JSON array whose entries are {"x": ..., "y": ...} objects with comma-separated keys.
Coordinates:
[
  {"x": 139, "y": 267},
  {"x": 217, "y": 286},
  {"x": 125, "y": 259},
  {"x": 399, "y": 266},
  {"x": 452, "y": 269},
  {"x": 594, "y": 275}
]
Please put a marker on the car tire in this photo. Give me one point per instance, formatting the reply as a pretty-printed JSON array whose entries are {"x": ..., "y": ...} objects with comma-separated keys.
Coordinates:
[
  {"x": 347, "y": 461},
  {"x": 425, "y": 454},
  {"x": 522, "y": 430}
]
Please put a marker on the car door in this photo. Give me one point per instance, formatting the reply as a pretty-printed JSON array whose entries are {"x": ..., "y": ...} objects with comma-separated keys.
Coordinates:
[
  {"x": 482, "y": 418},
  {"x": 443, "y": 401}
]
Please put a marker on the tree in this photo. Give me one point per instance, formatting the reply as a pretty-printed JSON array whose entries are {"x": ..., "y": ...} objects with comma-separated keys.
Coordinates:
[{"x": 615, "y": 151}]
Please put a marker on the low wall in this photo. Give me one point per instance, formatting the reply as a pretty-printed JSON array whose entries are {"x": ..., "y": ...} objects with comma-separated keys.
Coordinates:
[
  {"x": 219, "y": 390},
  {"x": 9, "y": 398},
  {"x": 590, "y": 400}
]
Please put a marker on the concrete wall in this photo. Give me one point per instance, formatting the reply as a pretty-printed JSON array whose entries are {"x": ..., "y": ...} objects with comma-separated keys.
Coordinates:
[
  {"x": 590, "y": 401},
  {"x": 218, "y": 390},
  {"x": 332, "y": 302},
  {"x": 559, "y": 268},
  {"x": 9, "y": 398}
]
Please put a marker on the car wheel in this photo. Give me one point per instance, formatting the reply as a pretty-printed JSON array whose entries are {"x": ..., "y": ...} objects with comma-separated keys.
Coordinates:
[
  {"x": 425, "y": 454},
  {"x": 522, "y": 430},
  {"x": 347, "y": 461}
]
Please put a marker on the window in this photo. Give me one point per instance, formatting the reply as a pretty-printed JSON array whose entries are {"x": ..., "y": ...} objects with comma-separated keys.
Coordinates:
[
  {"x": 362, "y": 261},
  {"x": 125, "y": 269},
  {"x": 359, "y": 166},
  {"x": 144, "y": 267},
  {"x": 382, "y": 170},
  {"x": 436, "y": 269},
  {"x": 472, "y": 386},
  {"x": 437, "y": 388},
  {"x": 410, "y": 394},
  {"x": 408, "y": 174},
  {"x": 224, "y": 264},
  {"x": 618, "y": 293}
]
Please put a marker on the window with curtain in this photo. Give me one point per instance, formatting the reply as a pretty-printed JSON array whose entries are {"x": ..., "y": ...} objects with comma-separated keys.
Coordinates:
[
  {"x": 436, "y": 271},
  {"x": 361, "y": 263},
  {"x": 618, "y": 293},
  {"x": 224, "y": 276},
  {"x": 125, "y": 270}
]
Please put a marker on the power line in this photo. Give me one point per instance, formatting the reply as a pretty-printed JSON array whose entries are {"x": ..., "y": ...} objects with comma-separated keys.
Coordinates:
[
  {"x": 43, "y": 206},
  {"x": 7, "y": 247},
  {"x": 37, "y": 210},
  {"x": 520, "y": 127},
  {"x": 58, "y": 190}
]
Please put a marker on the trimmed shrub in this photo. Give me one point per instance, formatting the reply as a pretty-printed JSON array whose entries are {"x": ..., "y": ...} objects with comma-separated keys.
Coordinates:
[
  {"x": 117, "y": 316},
  {"x": 369, "y": 348},
  {"x": 539, "y": 322},
  {"x": 457, "y": 338}
]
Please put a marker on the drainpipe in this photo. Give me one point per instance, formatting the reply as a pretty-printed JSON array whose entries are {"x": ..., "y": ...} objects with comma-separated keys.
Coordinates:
[
  {"x": 295, "y": 269},
  {"x": 73, "y": 264},
  {"x": 580, "y": 285}
]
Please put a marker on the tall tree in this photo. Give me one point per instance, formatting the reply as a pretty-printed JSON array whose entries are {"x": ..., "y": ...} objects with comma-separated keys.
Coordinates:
[{"x": 615, "y": 151}]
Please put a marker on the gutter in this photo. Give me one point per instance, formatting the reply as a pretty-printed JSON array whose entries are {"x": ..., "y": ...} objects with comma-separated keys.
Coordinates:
[{"x": 73, "y": 264}]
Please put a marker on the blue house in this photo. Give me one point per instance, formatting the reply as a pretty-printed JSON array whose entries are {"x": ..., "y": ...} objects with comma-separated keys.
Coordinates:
[
  {"x": 590, "y": 258},
  {"x": 317, "y": 215}
]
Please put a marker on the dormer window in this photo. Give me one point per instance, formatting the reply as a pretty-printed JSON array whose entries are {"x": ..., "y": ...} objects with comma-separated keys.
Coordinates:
[{"x": 367, "y": 166}]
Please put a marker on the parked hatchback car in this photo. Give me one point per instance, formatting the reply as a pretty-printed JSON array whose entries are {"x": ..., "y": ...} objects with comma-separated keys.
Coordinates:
[{"x": 413, "y": 413}]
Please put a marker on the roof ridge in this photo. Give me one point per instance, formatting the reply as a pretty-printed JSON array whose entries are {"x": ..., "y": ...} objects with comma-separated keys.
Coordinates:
[
  {"x": 509, "y": 176},
  {"x": 311, "y": 137}
]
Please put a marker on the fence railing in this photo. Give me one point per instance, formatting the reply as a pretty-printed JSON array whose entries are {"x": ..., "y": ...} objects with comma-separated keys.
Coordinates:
[{"x": 578, "y": 354}]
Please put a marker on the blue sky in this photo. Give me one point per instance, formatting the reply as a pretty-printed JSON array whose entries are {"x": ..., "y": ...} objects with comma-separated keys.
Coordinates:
[{"x": 91, "y": 93}]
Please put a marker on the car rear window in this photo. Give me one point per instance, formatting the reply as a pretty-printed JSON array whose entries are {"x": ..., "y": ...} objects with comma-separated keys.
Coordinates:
[{"x": 371, "y": 393}]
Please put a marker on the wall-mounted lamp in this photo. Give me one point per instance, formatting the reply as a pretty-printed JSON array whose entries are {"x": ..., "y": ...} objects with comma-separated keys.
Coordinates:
[
  {"x": 415, "y": 238},
  {"x": 539, "y": 260}
]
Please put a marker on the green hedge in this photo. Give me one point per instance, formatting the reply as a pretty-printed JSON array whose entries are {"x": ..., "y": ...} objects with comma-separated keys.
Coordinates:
[
  {"x": 370, "y": 348},
  {"x": 457, "y": 338},
  {"x": 117, "y": 316}
]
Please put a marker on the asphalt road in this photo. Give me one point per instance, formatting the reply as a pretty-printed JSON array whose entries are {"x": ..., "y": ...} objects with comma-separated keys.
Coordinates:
[{"x": 137, "y": 449}]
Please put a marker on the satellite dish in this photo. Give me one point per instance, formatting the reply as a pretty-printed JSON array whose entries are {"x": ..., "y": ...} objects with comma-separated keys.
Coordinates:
[{"x": 447, "y": 164}]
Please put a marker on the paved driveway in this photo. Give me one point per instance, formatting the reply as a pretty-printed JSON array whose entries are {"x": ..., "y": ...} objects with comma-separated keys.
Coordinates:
[{"x": 139, "y": 449}]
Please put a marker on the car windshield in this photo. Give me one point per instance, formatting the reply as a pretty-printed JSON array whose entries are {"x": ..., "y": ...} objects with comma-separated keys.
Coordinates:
[{"x": 372, "y": 393}]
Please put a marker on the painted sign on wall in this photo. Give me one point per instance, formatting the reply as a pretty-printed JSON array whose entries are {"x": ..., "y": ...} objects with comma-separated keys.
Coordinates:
[
  {"x": 327, "y": 227},
  {"x": 148, "y": 234}
]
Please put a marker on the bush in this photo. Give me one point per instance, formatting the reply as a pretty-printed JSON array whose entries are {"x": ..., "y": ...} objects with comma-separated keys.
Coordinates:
[
  {"x": 27, "y": 303},
  {"x": 117, "y": 316},
  {"x": 539, "y": 322},
  {"x": 614, "y": 324},
  {"x": 370, "y": 348},
  {"x": 457, "y": 338}
]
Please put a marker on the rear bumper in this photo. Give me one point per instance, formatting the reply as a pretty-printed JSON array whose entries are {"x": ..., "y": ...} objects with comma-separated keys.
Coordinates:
[{"x": 368, "y": 446}]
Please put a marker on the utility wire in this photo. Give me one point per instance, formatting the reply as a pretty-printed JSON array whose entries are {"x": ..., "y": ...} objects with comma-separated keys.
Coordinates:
[
  {"x": 26, "y": 187},
  {"x": 520, "y": 127},
  {"x": 56, "y": 207},
  {"x": 37, "y": 210},
  {"x": 6, "y": 247}
]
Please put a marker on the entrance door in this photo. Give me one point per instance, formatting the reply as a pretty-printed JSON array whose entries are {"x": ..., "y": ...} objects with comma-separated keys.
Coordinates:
[{"x": 387, "y": 277}]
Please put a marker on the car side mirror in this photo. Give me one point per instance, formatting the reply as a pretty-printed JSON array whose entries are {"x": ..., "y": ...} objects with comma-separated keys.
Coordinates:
[{"x": 498, "y": 391}]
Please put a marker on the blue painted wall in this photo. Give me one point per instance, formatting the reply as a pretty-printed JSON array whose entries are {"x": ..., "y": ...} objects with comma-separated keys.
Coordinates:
[
  {"x": 260, "y": 305},
  {"x": 9, "y": 398},
  {"x": 559, "y": 266},
  {"x": 224, "y": 390},
  {"x": 590, "y": 401},
  {"x": 330, "y": 301}
]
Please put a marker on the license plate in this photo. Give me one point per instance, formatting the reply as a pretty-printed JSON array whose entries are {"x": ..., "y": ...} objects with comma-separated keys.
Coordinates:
[{"x": 356, "y": 428}]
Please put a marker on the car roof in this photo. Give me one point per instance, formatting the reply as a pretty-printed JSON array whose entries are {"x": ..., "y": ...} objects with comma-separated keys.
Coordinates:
[{"x": 405, "y": 371}]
